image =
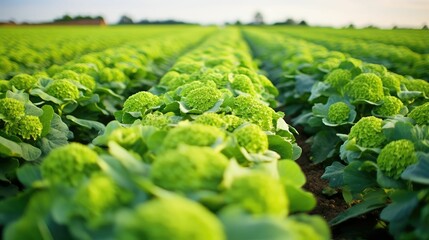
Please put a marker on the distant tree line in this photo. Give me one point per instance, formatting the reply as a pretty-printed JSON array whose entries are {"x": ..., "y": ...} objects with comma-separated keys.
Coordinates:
[
  {"x": 124, "y": 20},
  {"x": 68, "y": 18}
]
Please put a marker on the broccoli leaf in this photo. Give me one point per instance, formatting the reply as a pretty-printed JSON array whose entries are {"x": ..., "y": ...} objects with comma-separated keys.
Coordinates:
[
  {"x": 418, "y": 172},
  {"x": 334, "y": 174},
  {"x": 372, "y": 200}
]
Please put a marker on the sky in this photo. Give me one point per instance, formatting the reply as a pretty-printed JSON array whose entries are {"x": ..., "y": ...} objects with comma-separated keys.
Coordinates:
[{"x": 337, "y": 13}]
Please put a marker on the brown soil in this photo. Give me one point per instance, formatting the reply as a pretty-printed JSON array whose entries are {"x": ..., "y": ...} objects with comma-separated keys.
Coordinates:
[{"x": 329, "y": 207}]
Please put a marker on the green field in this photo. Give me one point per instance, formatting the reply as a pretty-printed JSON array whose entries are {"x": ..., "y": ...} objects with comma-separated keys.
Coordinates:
[{"x": 190, "y": 132}]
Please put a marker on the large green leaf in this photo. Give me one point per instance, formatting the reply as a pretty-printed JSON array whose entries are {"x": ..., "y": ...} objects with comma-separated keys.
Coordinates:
[
  {"x": 90, "y": 124},
  {"x": 372, "y": 200},
  {"x": 324, "y": 145},
  {"x": 281, "y": 146},
  {"x": 334, "y": 174},
  {"x": 418, "y": 172},
  {"x": 403, "y": 204},
  {"x": 291, "y": 173},
  {"x": 299, "y": 200},
  {"x": 18, "y": 149},
  {"x": 359, "y": 179}
]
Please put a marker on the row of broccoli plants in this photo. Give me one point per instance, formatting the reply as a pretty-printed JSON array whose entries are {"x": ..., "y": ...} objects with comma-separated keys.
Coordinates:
[
  {"x": 201, "y": 155},
  {"x": 414, "y": 39},
  {"x": 371, "y": 125},
  {"x": 398, "y": 59},
  {"x": 29, "y": 50},
  {"x": 74, "y": 101}
]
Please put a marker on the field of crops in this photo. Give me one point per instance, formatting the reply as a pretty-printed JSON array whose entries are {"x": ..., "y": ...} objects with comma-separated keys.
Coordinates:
[{"x": 190, "y": 132}]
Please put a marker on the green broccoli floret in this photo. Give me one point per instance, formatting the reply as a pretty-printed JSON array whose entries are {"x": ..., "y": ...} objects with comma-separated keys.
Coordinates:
[
  {"x": 92, "y": 59},
  {"x": 63, "y": 90},
  {"x": 420, "y": 114},
  {"x": 203, "y": 98},
  {"x": 188, "y": 67},
  {"x": 154, "y": 220},
  {"x": 217, "y": 78},
  {"x": 193, "y": 134},
  {"x": 366, "y": 86},
  {"x": 395, "y": 157},
  {"x": 83, "y": 79},
  {"x": 253, "y": 76},
  {"x": 390, "y": 107},
  {"x": 368, "y": 132},
  {"x": 338, "y": 79},
  {"x": 254, "y": 111},
  {"x": 392, "y": 82},
  {"x": 195, "y": 168},
  {"x": 112, "y": 75},
  {"x": 189, "y": 87},
  {"x": 126, "y": 136},
  {"x": 416, "y": 85},
  {"x": 98, "y": 196},
  {"x": 268, "y": 85},
  {"x": 23, "y": 81},
  {"x": 211, "y": 119},
  {"x": 26, "y": 127},
  {"x": 243, "y": 84},
  {"x": 330, "y": 64},
  {"x": 11, "y": 109},
  {"x": 338, "y": 112},
  {"x": 252, "y": 138},
  {"x": 232, "y": 122},
  {"x": 376, "y": 69},
  {"x": 173, "y": 80},
  {"x": 87, "y": 68},
  {"x": 69, "y": 165},
  {"x": 141, "y": 102},
  {"x": 259, "y": 194},
  {"x": 156, "y": 119}
]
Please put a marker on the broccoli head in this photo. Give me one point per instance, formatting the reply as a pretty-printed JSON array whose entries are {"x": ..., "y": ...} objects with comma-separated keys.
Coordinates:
[
  {"x": 169, "y": 218},
  {"x": 84, "y": 79},
  {"x": 23, "y": 81},
  {"x": 63, "y": 89},
  {"x": 203, "y": 98},
  {"x": 11, "y": 109},
  {"x": 243, "y": 84},
  {"x": 338, "y": 112},
  {"x": 141, "y": 102},
  {"x": 338, "y": 79},
  {"x": 258, "y": 193},
  {"x": 368, "y": 132},
  {"x": 217, "y": 78},
  {"x": 232, "y": 122},
  {"x": 189, "y": 168},
  {"x": 28, "y": 127},
  {"x": 420, "y": 114},
  {"x": 156, "y": 119},
  {"x": 173, "y": 80},
  {"x": 252, "y": 138},
  {"x": 376, "y": 69},
  {"x": 100, "y": 194},
  {"x": 112, "y": 75},
  {"x": 366, "y": 86},
  {"x": 188, "y": 67},
  {"x": 189, "y": 87},
  {"x": 193, "y": 134},
  {"x": 254, "y": 111},
  {"x": 392, "y": 82},
  {"x": 70, "y": 165},
  {"x": 211, "y": 119},
  {"x": 390, "y": 107},
  {"x": 395, "y": 157}
]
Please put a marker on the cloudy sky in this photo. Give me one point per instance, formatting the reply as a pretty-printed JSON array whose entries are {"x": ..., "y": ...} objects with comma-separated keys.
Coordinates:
[{"x": 384, "y": 13}]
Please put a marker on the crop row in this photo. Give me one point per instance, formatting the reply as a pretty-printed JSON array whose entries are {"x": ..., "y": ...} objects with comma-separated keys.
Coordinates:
[
  {"x": 398, "y": 59},
  {"x": 369, "y": 124},
  {"x": 200, "y": 155},
  {"x": 74, "y": 101},
  {"x": 29, "y": 50}
]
